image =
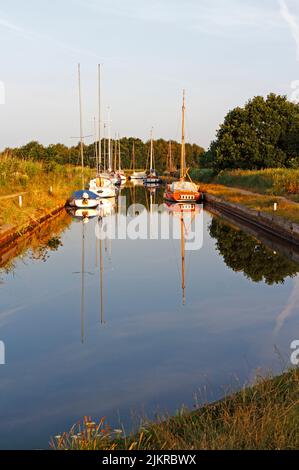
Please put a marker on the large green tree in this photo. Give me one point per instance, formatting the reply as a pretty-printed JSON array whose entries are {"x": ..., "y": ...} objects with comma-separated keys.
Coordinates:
[{"x": 263, "y": 134}]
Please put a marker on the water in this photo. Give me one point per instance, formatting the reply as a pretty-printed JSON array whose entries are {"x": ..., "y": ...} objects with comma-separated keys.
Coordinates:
[{"x": 144, "y": 352}]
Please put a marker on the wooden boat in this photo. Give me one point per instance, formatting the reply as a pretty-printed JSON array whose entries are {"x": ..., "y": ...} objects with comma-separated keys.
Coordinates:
[
  {"x": 182, "y": 190},
  {"x": 152, "y": 178}
]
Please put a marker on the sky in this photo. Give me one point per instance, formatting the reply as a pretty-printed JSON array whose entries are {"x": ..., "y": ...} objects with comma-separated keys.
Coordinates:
[{"x": 223, "y": 52}]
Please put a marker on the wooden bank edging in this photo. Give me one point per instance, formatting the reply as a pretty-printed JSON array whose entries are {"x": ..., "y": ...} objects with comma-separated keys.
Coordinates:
[
  {"x": 13, "y": 233},
  {"x": 272, "y": 224}
]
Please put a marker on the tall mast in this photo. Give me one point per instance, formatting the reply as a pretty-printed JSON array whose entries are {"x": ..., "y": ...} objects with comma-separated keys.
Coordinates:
[
  {"x": 152, "y": 150},
  {"x": 133, "y": 156},
  {"x": 119, "y": 158},
  {"x": 183, "y": 156},
  {"x": 104, "y": 146},
  {"x": 99, "y": 121},
  {"x": 95, "y": 145},
  {"x": 170, "y": 157},
  {"x": 109, "y": 142},
  {"x": 81, "y": 125}
]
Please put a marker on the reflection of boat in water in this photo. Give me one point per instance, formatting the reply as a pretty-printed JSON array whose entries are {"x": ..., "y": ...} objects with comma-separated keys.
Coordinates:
[
  {"x": 82, "y": 214},
  {"x": 182, "y": 190},
  {"x": 106, "y": 207},
  {"x": 180, "y": 211}
]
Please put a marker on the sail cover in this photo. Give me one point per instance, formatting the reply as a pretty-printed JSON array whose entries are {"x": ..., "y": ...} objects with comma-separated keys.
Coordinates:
[{"x": 82, "y": 194}]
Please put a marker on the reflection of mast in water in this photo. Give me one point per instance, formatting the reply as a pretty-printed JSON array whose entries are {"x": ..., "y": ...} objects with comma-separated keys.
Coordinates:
[
  {"x": 180, "y": 210},
  {"x": 83, "y": 281},
  {"x": 183, "y": 257},
  {"x": 101, "y": 282}
]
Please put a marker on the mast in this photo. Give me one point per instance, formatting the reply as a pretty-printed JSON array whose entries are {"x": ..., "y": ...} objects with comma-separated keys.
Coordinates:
[
  {"x": 133, "y": 157},
  {"x": 109, "y": 142},
  {"x": 99, "y": 121},
  {"x": 183, "y": 156},
  {"x": 81, "y": 125},
  {"x": 152, "y": 150},
  {"x": 183, "y": 257},
  {"x": 170, "y": 157},
  {"x": 95, "y": 145},
  {"x": 104, "y": 147},
  {"x": 119, "y": 157}
]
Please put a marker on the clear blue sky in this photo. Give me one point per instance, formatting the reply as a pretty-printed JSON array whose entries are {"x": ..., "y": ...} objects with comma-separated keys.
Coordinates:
[{"x": 221, "y": 51}]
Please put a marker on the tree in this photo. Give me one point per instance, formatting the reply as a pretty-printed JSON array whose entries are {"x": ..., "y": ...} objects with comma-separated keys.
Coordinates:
[{"x": 263, "y": 134}]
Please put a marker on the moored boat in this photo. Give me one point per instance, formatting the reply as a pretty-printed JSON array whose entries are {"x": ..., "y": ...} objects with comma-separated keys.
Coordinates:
[
  {"x": 183, "y": 190},
  {"x": 152, "y": 178}
]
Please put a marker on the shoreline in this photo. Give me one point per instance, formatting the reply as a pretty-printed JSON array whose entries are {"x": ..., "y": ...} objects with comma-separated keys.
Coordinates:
[
  {"x": 272, "y": 224},
  {"x": 14, "y": 233}
]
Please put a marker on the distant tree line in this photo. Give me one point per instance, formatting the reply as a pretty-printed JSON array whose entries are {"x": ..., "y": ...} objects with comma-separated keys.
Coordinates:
[
  {"x": 263, "y": 134},
  {"x": 61, "y": 154}
]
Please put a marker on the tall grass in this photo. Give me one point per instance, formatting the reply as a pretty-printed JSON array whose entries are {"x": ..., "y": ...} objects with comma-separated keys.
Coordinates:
[
  {"x": 264, "y": 417},
  {"x": 274, "y": 181},
  {"x": 46, "y": 185}
]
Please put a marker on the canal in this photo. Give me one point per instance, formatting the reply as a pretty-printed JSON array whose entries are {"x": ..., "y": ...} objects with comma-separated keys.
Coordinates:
[{"x": 123, "y": 329}]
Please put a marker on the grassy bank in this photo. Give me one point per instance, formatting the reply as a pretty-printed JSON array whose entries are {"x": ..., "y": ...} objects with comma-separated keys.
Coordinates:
[
  {"x": 286, "y": 209},
  {"x": 46, "y": 185},
  {"x": 278, "y": 181},
  {"x": 265, "y": 416},
  {"x": 271, "y": 181}
]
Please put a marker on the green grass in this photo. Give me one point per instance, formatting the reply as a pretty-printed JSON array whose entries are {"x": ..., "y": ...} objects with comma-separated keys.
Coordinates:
[
  {"x": 262, "y": 417},
  {"x": 46, "y": 185},
  {"x": 272, "y": 181}
]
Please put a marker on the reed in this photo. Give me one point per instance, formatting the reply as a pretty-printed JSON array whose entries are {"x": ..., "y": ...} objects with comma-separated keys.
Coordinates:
[{"x": 262, "y": 417}]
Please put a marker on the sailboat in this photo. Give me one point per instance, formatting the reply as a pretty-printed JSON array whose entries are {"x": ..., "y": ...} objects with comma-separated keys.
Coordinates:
[
  {"x": 182, "y": 190},
  {"x": 83, "y": 199},
  {"x": 136, "y": 175},
  {"x": 170, "y": 167},
  {"x": 152, "y": 178},
  {"x": 120, "y": 174},
  {"x": 101, "y": 185}
]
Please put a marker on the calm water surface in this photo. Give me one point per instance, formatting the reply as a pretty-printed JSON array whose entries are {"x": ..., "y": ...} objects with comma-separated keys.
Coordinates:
[{"x": 144, "y": 351}]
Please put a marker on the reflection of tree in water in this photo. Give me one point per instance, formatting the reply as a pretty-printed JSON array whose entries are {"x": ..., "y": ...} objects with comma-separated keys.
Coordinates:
[
  {"x": 42, "y": 253},
  {"x": 241, "y": 252},
  {"x": 37, "y": 246}
]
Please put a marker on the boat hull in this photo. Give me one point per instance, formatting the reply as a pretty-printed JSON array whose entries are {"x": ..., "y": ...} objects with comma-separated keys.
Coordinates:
[
  {"x": 182, "y": 196},
  {"x": 85, "y": 203}
]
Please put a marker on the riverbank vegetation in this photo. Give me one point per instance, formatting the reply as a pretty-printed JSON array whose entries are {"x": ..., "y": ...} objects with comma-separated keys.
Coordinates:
[
  {"x": 262, "y": 134},
  {"x": 262, "y": 417},
  {"x": 44, "y": 185},
  {"x": 61, "y": 154}
]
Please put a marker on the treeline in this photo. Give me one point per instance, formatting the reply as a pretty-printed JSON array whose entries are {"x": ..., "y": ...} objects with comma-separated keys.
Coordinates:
[
  {"x": 263, "y": 134},
  {"x": 61, "y": 154}
]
